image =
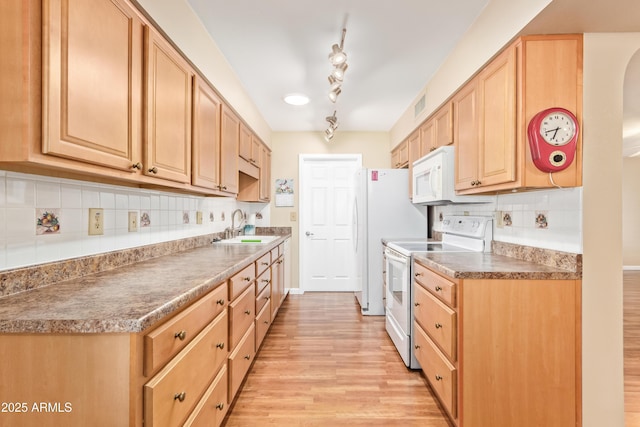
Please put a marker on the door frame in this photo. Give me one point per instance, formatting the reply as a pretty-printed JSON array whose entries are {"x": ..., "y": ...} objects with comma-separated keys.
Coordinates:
[{"x": 304, "y": 159}]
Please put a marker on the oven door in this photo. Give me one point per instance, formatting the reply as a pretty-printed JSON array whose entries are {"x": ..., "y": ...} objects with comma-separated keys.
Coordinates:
[{"x": 398, "y": 301}]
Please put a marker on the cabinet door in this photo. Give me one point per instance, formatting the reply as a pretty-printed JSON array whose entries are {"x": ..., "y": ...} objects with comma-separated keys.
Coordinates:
[
  {"x": 206, "y": 136},
  {"x": 92, "y": 82},
  {"x": 465, "y": 135},
  {"x": 427, "y": 137},
  {"x": 265, "y": 174},
  {"x": 230, "y": 136},
  {"x": 443, "y": 123},
  {"x": 245, "y": 144},
  {"x": 168, "y": 111},
  {"x": 497, "y": 151}
]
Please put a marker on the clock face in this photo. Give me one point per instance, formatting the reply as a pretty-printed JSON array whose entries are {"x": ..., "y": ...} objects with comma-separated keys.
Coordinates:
[{"x": 557, "y": 128}]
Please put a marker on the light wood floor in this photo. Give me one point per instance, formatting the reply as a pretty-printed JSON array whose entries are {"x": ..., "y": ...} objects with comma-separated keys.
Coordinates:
[
  {"x": 323, "y": 364},
  {"x": 631, "y": 319}
]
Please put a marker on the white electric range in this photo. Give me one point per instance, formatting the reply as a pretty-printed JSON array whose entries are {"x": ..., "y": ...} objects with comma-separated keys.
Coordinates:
[{"x": 459, "y": 234}]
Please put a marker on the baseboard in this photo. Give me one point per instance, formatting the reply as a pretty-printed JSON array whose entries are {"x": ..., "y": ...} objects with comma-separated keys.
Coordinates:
[
  {"x": 631, "y": 267},
  {"x": 295, "y": 291}
]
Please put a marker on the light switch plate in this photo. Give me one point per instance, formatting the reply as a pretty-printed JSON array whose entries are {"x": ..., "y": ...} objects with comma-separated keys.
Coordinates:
[
  {"x": 293, "y": 216},
  {"x": 96, "y": 221},
  {"x": 198, "y": 217},
  {"x": 133, "y": 221}
]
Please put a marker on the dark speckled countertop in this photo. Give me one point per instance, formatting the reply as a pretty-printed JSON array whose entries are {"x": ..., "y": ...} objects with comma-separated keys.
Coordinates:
[
  {"x": 479, "y": 265},
  {"x": 129, "y": 298}
]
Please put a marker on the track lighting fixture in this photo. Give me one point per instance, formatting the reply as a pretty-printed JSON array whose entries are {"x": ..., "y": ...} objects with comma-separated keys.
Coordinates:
[
  {"x": 333, "y": 125},
  {"x": 338, "y": 58}
]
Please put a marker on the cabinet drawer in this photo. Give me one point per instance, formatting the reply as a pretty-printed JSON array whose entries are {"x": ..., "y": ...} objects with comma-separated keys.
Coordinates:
[
  {"x": 440, "y": 373},
  {"x": 240, "y": 361},
  {"x": 241, "y": 314},
  {"x": 166, "y": 341},
  {"x": 241, "y": 281},
  {"x": 263, "y": 298},
  {"x": 436, "y": 284},
  {"x": 263, "y": 322},
  {"x": 171, "y": 395},
  {"x": 263, "y": 280},
  {"x": 263, "y": 263},
  {"x": 438, "y": 320},
  {"x": 214, "y": 404}
]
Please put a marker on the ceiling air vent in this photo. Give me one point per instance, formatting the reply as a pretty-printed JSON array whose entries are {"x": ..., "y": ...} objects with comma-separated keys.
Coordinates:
[{"x": 417, "y": 109}]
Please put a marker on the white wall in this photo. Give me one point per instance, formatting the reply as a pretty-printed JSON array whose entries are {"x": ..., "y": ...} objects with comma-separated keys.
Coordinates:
[
  {"x": 23, "y": 196},
  {"x": 631, "y": 212}
]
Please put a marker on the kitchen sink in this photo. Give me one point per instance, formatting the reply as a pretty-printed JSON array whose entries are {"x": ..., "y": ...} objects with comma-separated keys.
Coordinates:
[{"x": 251, "y": 239}]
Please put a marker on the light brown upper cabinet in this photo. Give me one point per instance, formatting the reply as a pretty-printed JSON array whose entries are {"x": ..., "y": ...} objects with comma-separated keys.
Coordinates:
[
  {"x": 400, "y": 155},
  {"x": 92, "y": 83},
  {"x": 206, "y": 136},
  {"x": 265, "y": 173},
  {"x": 168, "y": 104},
  {"x": 485, "y": 126},
  {"x": 230, "y": 137},
  {"x": 492, "y": 113},
  {"x": 249, "y": 145}
]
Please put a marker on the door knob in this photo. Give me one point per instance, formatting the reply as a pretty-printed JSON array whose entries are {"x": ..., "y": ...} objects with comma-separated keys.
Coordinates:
[{"x": 308, "y": 233}]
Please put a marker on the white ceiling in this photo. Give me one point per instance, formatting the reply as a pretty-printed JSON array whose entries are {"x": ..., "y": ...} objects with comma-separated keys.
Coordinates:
[{"x": 278, "y": 47}]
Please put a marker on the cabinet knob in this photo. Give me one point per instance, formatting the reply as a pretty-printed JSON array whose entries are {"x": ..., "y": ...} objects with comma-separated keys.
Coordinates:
[
  {"x": 417, "y": 347},
  {"x": 247, "y": 312},
  {"x": 438, "y": 378},
  {"x": 418, "y": 274},
  {"x": 180, "y": 396},
  {"x": 416, "y": 304},
  {"x": 438, "y": 288},
  {"x": 264, "y": 263},
  {"x": 224, "y": 187},
  {"x": 137, "y": 165},
  {"x": 265, "y": 280},
  {"x": 220, "y": 302},
  {"x": 438, "y": 325},
  {"x": 247, "y": 357},
  {"x": 153, "y": 170},
  {"x": 181, "y": 335},
  {"x": 266, "y": 322},
  {"x": 220, "y": 406},
  {"x": 220, "y": 345},
  {"x": 246, "y": 279}
]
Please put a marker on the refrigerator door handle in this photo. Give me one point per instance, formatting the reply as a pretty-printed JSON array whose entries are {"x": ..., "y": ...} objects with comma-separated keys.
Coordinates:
[{"x": 355, "y": 224}]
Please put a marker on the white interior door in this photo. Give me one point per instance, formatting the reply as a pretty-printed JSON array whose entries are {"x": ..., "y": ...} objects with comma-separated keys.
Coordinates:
[{"x": 326, "y": 237}]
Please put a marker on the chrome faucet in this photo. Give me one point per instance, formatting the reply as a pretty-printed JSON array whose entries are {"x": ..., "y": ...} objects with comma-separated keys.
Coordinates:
[{"x": 233, "y": 231}]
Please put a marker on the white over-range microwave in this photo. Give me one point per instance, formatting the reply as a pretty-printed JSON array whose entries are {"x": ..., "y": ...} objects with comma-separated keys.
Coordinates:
[{"x": 434, "y": 180}]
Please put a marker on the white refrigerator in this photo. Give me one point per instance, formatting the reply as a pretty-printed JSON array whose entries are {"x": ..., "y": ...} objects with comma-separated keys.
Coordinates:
[{"x": 381, "y": 209}]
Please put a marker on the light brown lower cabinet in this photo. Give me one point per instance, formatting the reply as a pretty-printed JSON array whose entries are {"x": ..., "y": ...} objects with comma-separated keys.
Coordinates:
[
  {"x": 500, "y": 352},
  {"x": 181, "y": 371}
]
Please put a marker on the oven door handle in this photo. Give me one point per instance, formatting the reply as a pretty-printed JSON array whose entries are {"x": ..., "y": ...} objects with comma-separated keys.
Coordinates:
[{"x": 393, "y": 257}]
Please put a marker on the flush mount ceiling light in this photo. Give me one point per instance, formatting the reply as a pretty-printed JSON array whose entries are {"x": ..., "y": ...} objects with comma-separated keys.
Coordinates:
[{"x": 296, "y": 99}]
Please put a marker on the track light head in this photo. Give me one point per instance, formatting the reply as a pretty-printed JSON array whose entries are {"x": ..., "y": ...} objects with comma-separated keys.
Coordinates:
[
  {"x": 333, "y": 95},
  {"x": 337, "y": 55},
  {"x": 338, "y": 71}
]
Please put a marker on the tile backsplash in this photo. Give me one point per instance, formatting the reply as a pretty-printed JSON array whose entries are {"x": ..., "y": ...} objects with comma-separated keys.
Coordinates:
[
  {"x": 550, "y": 219},
  {"x": 162, "y": 216}
]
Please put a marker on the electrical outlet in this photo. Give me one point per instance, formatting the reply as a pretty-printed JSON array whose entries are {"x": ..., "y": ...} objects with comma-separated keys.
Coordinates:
[
  {"x": 133, "y": 221},
  {"x": 499, "y": 219},
  {"x": 198, "y": 217},
  {"x": 96, "y": 221},
  {"x": 293, "y": 216}
]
